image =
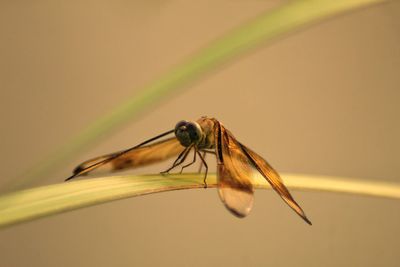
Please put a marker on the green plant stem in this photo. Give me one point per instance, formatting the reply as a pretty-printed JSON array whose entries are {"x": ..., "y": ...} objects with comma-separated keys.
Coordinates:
[
  {"x": 26, "y": 205},
  {"x": 288, "y": 17}
]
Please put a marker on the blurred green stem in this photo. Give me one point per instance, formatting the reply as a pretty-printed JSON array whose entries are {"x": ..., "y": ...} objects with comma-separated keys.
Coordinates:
[{"x": 288, "y": 17}]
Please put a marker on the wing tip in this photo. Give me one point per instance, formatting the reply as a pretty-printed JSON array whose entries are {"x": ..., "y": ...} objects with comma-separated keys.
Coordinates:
[
  {"x": 75, "y": 173},
  {"x": 302, "y": 214},
  {"x": 307, "y": 220},
  {"x": 71, "y": 177},
  {"x": 237, "y": 213}
]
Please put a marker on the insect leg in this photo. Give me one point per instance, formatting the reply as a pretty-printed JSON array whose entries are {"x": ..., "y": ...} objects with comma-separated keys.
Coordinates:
[
  {"x": 193, "y": 161},
  {"x": 181, "y": 158},
  {"x": 201, "y": 163},
  {"x": 209, "y": 151},
  {"x": 205, "y": 165}
]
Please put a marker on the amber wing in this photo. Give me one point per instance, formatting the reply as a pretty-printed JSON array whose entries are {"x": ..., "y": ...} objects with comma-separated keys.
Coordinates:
[
  {"x": 234, "y": 172},
  {"x": 236, "y": 166},
  {"x": 275, "y": 180},
  {"x": 131, "y": 158}
]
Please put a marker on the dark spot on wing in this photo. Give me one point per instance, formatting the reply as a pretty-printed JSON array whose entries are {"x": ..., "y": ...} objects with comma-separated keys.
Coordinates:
[
  {"x": 123, "y": 163},
  {"x": 78, "y": 169}
]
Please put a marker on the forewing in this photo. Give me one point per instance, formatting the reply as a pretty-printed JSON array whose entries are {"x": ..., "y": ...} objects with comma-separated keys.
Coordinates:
[
  {"x": 140, "y": 156},
  {"x": 234, "y": 174},
  {"x": 274, "y": 179}
]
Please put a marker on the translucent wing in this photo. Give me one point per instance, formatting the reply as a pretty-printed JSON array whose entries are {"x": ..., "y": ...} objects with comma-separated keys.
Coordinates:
[
  {"x": 140, "y": 155},
  {"x": 234, "y": 172},
  {"x": 274, "y": 179},
  {"x": 236, "y": 165}
]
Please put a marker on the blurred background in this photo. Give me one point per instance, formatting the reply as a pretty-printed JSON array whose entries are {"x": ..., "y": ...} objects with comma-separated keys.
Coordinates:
[{"x": 324, "y": 100}]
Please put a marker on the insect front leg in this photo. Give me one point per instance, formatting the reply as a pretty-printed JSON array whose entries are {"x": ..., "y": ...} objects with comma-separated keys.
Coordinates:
[
  {"x": 181, "y": 158},
  {"x": 193, "y": 161},
  {"x": 205, "y": 165}
]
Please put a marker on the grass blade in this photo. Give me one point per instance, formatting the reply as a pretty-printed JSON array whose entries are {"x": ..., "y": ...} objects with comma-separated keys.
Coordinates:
[{"x": 44, "y": 201}]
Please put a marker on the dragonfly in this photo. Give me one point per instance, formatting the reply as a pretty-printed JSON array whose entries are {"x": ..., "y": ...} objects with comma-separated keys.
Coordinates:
[{"x": 237, "y": 164}]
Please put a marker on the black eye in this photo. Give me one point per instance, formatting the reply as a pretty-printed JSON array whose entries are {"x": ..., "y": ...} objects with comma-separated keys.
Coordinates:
[
  {"x": 180, "y": 124},
  {"x": 194, "y": 131}
]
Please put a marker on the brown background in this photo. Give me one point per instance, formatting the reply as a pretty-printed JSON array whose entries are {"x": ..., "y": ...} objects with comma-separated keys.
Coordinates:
[{"x": 322, "y": 101}]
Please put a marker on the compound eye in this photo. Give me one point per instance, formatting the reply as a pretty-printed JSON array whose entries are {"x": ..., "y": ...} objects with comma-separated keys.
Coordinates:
[
  {"x": 180, "y": 124},
  {"x": 194, "y": 131}
]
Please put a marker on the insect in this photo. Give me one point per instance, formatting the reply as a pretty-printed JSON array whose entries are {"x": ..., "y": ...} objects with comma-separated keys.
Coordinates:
[{"x": 236, "y": 163}]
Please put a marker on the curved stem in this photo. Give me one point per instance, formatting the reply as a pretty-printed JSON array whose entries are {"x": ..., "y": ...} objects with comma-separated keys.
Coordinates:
[{"x": 44, "y": 201}]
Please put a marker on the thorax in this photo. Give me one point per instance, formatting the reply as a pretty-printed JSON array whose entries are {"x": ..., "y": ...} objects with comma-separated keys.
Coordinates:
[{"x": 208, "y": 127}]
